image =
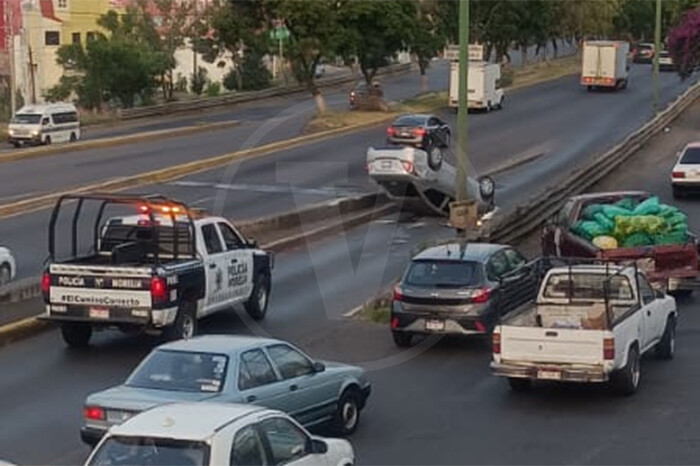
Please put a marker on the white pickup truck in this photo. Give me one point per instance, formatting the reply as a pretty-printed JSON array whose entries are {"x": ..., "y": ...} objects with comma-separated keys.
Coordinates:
[{"x": 591, "y": 323}]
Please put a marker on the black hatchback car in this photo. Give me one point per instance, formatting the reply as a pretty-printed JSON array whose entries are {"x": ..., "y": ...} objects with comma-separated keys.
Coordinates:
[
  {"x": 422, "y": 131},
  {"x": 460, "y": 289}
]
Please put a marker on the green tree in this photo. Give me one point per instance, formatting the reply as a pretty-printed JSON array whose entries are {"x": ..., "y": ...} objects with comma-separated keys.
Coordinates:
[
  {"x": 429, "y": 37},
  {"x": 684, "y": 44},
  {"x": 375, "y": 31}
]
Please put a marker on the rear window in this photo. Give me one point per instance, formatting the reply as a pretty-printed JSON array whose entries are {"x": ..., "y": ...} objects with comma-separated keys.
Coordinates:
[
  {"x": 181, "y": 371},
  {"x": 410, "y": 120},
  {"x": 444, "y": 274},
  {"x": 588, "y": 286},
  {"x": 691, "y": 156},
  {"x": 664, "y": 54},
  {"x": 645, "y": 47},
  {"x": 124, "y": 450},
  {"x": 118, "y": 234}
]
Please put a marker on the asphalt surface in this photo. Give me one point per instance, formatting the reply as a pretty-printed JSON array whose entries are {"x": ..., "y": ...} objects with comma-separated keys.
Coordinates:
[{"x": 435, "y": 404}]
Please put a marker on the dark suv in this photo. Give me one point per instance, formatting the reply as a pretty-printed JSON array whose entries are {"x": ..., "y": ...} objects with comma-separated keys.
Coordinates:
[{"x": 460, "y": 288}]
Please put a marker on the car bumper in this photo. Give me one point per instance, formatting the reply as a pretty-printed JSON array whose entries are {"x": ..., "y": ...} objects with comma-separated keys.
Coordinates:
[
  {"x": 556, "y": 373},
  {"x": 91, "y": 435},
  {"x": 686, "y": 183},
  {"x": 442, "y": 325}
]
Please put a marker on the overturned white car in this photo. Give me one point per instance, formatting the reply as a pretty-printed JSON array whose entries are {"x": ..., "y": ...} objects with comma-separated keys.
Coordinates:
[{"x": 423, "y": 181}]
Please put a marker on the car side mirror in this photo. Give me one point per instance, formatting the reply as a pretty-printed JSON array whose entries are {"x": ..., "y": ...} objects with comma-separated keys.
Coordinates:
[
  {"x": 252, "y": 243},
  {"x": 660, "y": 294},
  {"x": 319, "y": 367},
  {"x": 319, "y": 447}
]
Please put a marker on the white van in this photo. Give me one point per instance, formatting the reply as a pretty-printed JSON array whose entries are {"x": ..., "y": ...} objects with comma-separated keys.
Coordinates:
[
  {"x": 484, "y": 81},
  {"x": 44, "y": 124}
]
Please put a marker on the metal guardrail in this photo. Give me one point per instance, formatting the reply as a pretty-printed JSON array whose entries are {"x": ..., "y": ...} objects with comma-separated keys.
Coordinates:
[
  {"x": 527, "y": 217},
  {"x": 210, "y": 102}
]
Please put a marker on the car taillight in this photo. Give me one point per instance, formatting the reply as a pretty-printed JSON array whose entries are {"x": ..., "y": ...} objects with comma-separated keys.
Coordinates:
[
  {"x": 408, "y": 166},
  {"x": 394, "y": 322},
  {"x": 390, "y": 131},
  {"x": 496, "y": 343},
  {"x": 94, "y": 413},
  {"x": 480, "y": 327},
  {"x": 159, "y": 290},
  {"x": 419, "y": 132},
  {"x": 678, "y": 174},
  {"x": 46, "y": 285},
  {"x": 609, "y": 349},
  {"x": 397, "y": 294},
  {"x": 481, "y": 296}
]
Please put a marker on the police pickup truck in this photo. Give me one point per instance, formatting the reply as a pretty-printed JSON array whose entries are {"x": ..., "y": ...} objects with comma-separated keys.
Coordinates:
[{"x": 156, "y": 267}]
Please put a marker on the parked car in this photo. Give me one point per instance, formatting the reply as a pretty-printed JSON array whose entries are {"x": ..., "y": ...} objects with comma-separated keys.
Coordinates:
[
  {"x": 8, "y": 266},
  {"x": 460, "y": 288},
  {"x": 644, "y": 53},
  {"x": 234, "y": 369},
  {"x": 666, "y": 62},
  {"x": 421, "y": 131},
  {"x": 591, "y": 323},
  {"x": 213, "y": 434},
  {"x": 685, "y": 177},
  {"x": 362, "y": 95}
]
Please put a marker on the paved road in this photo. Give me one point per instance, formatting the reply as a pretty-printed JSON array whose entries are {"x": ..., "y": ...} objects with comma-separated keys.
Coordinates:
[
  {"x": 438, "y": 405},
  {"x": 558, "y": 119}
]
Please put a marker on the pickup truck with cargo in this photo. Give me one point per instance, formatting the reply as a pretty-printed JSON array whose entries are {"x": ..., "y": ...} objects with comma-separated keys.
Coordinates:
[
  {"x": 158, "y": 267},
  {"x": 672, "y": 266},
  {"x": 605, "y": 64},
  {"x": 590, "y": 323}
]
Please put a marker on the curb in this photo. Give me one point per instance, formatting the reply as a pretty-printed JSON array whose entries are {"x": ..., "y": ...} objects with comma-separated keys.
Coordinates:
[
  {"x": 114, "y": 141},
  {"x": 22, "y": 329}
]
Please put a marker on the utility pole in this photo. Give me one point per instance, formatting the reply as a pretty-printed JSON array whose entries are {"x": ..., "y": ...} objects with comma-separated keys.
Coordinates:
[
  {"x": 461, "y": 181},
  {"x": 194, "y": 49},
  {"x": 32, "y": 73},
  {"x": 657, "y": 51},
  {"x": 10, "y": 31}
]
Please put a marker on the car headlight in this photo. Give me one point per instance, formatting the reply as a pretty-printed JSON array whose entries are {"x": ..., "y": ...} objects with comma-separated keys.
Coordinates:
[
  {"x": 11, "y": 132},
  {"x": 487, "y": 187},
  {"x": 35, "y": 133}
]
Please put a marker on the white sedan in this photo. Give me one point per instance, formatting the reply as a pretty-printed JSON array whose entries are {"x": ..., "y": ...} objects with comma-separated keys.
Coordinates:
[
  {"x": 8, "y": 269},
  {"x": 686, "y": 173},
  {"x": 215, "y": 434}
]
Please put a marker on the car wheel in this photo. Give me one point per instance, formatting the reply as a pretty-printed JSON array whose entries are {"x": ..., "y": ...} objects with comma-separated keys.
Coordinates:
[
  {"x": 402, "y": 339},
  {"x": 256, "y": 306},
  {"x": 590, "y": 88},
  {"x": 627, "y": 379},
  {"x": 500, "y": 103},
  {"x": 446, "y": 141},
  {"x": 488, "y": 107},
  {"x": 73, "y": 137},
  {"x": 185, "y": 325},
  {"x": 17, "y": 145},
  {"x": 5, "y": 274},
  {"x": 666, "y": 348},
  {"x": 76, "y": 335},
  {"x": 347, "y": 416},
  {"x": 519, "y": 385},
  {"x": 435, "y": 158},
  {"x": 677, "y": 192},
  {"x": 47, "y": 141}
]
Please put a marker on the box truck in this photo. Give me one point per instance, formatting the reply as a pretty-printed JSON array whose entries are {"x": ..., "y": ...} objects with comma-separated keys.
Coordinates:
[
  {"x": 605, "y": 64},
  {"x": 484, "y": 86}
]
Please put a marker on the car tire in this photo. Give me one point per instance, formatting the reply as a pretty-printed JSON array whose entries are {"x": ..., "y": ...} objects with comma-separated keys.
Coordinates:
[
  {"x": 347, "y": 415},
  {"x": 519, "y": 385},
  {"x": 590, "y": 88},
  {"x": 677, "y": 192},
  {"x": 402, "y": 339},
  {"x": 76, "y": 334},
  {"x": 257, "y": 304},
  {"x": 185, "y": 325},
  {"x": 488, "y": 107},
  {"x": 17, "y": 145},
  {"x": 5, "y": 274},
  {"x": 435, "y": 158},
  {"x": 47, "y": 141},
  {"x": 666, "y": 348},
  {"x": 500, "y": 103},
  {"x": 446, "y": 141},
  {"x": 73, "y": 137},
  {"x": 626, "y": 381}
]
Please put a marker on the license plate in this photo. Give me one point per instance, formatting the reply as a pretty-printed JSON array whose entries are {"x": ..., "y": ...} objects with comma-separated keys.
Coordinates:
[
  {"x": 405, "y": 135},
  {"x": 99, "y": 313},
  {"x": 435, "y": 325},
  {"x": 386, "y": 164},
  {"x": 117, "y": 417},
  {"x": 549, "y": 375}
]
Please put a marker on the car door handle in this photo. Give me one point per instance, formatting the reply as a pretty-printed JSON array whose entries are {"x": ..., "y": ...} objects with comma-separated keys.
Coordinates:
[
  {"x": 251, "y": 398},
  {"x": 293, "y": 388},
  {"x": 649, "y": 313},
  {"x": 212, "y": 266},
  {"x": 234, "y": 261}
]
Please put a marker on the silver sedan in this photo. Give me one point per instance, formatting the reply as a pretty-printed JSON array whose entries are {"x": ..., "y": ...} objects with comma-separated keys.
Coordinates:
[{"x": 234, "y": 369}]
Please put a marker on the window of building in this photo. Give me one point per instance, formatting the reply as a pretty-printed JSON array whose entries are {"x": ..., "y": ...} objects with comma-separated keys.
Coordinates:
[
  {"x": 90, "y": 36},
  {"x": 63, "y": 3},
  {"x": 76, "y": 37},
  {"x": 52, "y": 38}
]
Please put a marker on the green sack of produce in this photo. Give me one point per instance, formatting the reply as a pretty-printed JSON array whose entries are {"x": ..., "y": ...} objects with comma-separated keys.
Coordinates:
[
  {"x": 670, "y": 238},
  {"x": 589, "y": 229},
  {"x": 679, "y": 228},
  {"x": 649, "y": 207},
  {"x": 677, "y": 218},
  {"x": 637, "y": 239},
  {"x": 605, "y": 242},
  {"x": 627, "y": 203},
  {"x": 649, "y": 224},
  {"x": 612, "y": 211},
  {"x": 590, "y": 211},
  {"x": 604, "y": 221},
  {"x": 666, "y": 210}
]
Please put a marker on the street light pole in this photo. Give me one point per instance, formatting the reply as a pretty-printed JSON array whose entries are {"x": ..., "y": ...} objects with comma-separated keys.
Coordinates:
[
  {"x": 10, "y": 31},
  {"x": 461, "y": 181},
  {"x": 657, "y": 51}
]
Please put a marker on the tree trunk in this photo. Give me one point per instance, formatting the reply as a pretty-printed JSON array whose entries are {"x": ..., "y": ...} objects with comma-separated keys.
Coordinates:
[
  {"x": 523, "y": 55},
  {"x": 320, "y": 103},
  {"x": 555, "y": 49},
  {"x": 423, "y": 80}
]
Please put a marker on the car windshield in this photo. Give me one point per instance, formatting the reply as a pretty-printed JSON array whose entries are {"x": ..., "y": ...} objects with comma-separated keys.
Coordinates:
[
  {"x": 444, "y": 274},
  {"x": 588, "y": 286},
  {"x": 410, "y": 120},
  {"x": 181, "y": 371},
  {"x": 150, "y": 451},
  {"x": 691, "y": 156},
  {"x": 26, "y": 119},
  {"x": 645, "y": 47}
]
